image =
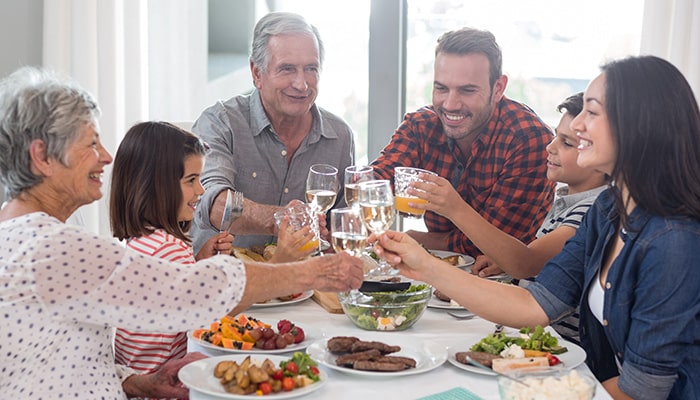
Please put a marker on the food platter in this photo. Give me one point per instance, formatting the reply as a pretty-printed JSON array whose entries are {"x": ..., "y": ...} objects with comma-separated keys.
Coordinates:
[
  {"x": 199, "y": 376},
  {"x": 277, "y": 302},
  {"x": 468, "y": 263},
  {"x": 428, "y": 356},
  {"x": 574, "y": 357},
  {"x": 466, "y": 260},
  {"x": 310, "y": 335}
]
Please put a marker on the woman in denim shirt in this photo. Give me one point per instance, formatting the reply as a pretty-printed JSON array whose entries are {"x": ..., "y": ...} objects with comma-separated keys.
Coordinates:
[{"x": 630, "y": 263}]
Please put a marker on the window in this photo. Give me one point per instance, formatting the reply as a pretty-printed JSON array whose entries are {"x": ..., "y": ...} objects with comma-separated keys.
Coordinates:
[{"x": 551, "y": 49}]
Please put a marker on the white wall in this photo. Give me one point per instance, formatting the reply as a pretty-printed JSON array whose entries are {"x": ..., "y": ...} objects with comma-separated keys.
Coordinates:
[
  {"x": 20, "y": 37},
  {"x": 20, "y": 34}
]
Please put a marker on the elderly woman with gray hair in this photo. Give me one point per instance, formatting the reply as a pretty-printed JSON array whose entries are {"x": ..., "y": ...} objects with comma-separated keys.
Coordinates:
[{"x": 63, "y": 289}]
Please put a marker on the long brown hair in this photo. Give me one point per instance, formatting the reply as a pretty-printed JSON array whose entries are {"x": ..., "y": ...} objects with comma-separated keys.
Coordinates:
[
  {"x": 655, "y": 122},
  {"x": 145, "y": 192}
]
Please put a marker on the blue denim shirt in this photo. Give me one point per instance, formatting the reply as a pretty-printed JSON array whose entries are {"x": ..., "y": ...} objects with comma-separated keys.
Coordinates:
[{"x": 652, "y": 297}]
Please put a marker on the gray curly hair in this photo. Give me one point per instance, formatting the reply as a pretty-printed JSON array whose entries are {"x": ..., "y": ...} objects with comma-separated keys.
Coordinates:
[{"x": 38, "y": 104}]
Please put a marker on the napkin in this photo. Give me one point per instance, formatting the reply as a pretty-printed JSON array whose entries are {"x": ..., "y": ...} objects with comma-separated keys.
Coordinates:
[{"x": 457, "y": 393}]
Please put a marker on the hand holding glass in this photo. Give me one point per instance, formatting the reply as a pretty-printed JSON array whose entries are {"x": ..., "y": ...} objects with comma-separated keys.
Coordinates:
[
  {"x": 348, "y": 232},
  {"x": 377, "y": 208},
  {"x": 300, "y": 215},
  {"x": 403, "y": 176}
]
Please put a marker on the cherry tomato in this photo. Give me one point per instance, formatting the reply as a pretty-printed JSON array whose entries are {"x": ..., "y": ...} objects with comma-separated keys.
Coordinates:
[
  {"x": 553, "y": 360},
  {"x": 287, "y": 384},
  {"x": 265, "y": 387},
  {"x": 278, "y": 375},
  {"x": 314, "y": 370},
  {"x": 292, "y": 367}
]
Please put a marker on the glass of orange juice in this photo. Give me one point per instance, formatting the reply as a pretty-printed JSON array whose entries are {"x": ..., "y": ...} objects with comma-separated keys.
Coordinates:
[
  {"x": 300, "y": 215},
  {"x": 403, "y": 176}
]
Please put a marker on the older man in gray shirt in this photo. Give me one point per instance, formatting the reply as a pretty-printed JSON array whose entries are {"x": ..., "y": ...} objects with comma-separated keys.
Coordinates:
[{"x": 263, "y": 144}]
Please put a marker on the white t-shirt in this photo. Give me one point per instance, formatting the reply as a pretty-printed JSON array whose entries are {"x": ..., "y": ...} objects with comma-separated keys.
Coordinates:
[{"x": 62, "y": 289}]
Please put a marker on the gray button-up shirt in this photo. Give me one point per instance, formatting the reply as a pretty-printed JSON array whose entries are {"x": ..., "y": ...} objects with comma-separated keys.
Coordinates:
[{"x": 248, "y": 156}]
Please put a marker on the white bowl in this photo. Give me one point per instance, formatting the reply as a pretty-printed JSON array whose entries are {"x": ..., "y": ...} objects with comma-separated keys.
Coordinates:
[{"x": 547, "y": 383}]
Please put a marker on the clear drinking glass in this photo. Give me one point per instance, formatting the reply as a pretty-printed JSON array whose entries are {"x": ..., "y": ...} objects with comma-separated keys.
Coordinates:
[
  {"x": 348, "y": 231},
  {"x": 378, "y": 213},
  {"x": 300, "y": 215},
  {"x": 354, "y": 175},
  {"x": 403, "y": 176},
  {"x": 321, "y": 192}
]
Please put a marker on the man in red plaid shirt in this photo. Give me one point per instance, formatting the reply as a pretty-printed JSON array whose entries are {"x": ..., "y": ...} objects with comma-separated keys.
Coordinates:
[{"x": 491, "y": 148}]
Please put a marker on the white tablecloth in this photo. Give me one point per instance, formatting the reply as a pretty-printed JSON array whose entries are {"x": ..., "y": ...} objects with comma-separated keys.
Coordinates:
[{"x": 435, "y": 325}]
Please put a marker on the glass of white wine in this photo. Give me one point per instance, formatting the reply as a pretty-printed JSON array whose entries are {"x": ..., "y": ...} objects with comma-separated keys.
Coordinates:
[
  {"x": 378, "y": 213},
  {"x": 354, "y": 175},
  {"x": 348, "y": 232},
  {"x": 321, "y": 192}
]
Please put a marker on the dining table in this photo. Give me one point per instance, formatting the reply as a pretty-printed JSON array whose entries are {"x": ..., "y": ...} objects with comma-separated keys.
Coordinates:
[{"x": 436, "y": 327}]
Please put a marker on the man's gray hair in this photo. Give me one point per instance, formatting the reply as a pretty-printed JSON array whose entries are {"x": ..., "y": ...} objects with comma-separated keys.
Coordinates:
[
  {"x": 280, "y": 23},
  {"x": 37, "y": 104}
]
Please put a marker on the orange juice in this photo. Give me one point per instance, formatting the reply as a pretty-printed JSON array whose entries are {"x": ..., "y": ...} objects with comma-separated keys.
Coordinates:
[
  {"x": 311, "y": 244},
  {"x": 406, "y": 211}
]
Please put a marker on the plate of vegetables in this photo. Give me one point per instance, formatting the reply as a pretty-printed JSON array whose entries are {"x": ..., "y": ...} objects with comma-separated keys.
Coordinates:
[
  {"x": 243, "y": 376},
  {"x": 533, "y": 344}
]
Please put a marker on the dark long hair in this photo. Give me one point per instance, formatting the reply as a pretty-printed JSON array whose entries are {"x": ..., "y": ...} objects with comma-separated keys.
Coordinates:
[
  {"x": 145, "y": 192},
  {"x": 654, "y": 117}
]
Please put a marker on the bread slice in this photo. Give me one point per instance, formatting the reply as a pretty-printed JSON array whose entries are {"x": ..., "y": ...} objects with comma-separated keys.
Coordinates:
[
  {"x": 504, "y": 365},
  {"x": 246, "y": 254}
]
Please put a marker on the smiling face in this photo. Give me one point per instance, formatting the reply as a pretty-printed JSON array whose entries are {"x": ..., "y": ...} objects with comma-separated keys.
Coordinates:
[
  {"x": 597, "y": 147},
  {"x": 462, "y": 95},
  {"x": 191, "y": 187},
  {"x": 80, "y": 180},
  {"x": 289, "y": 87},
  {"x": 562, "y": 155}
]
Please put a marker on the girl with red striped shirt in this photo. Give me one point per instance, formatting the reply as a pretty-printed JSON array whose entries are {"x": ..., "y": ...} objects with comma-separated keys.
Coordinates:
[{"x": 154, "y": 193}]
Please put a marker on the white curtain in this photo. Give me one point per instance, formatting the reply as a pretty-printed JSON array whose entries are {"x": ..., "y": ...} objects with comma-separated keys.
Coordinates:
[
  {"x": 141, "y": 59},
  {"x": 671, "y": 30},
  {"x": 101, "y": 45}
]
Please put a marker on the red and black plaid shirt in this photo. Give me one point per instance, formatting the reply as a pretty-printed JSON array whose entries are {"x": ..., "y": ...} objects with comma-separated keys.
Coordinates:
[{"x": 504, "y": 179}]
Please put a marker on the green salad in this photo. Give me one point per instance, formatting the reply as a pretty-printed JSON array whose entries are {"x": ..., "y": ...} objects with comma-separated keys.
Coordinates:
[
  {"x": 388, "y": 310},
  {"x": 539, "y": 340}
]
